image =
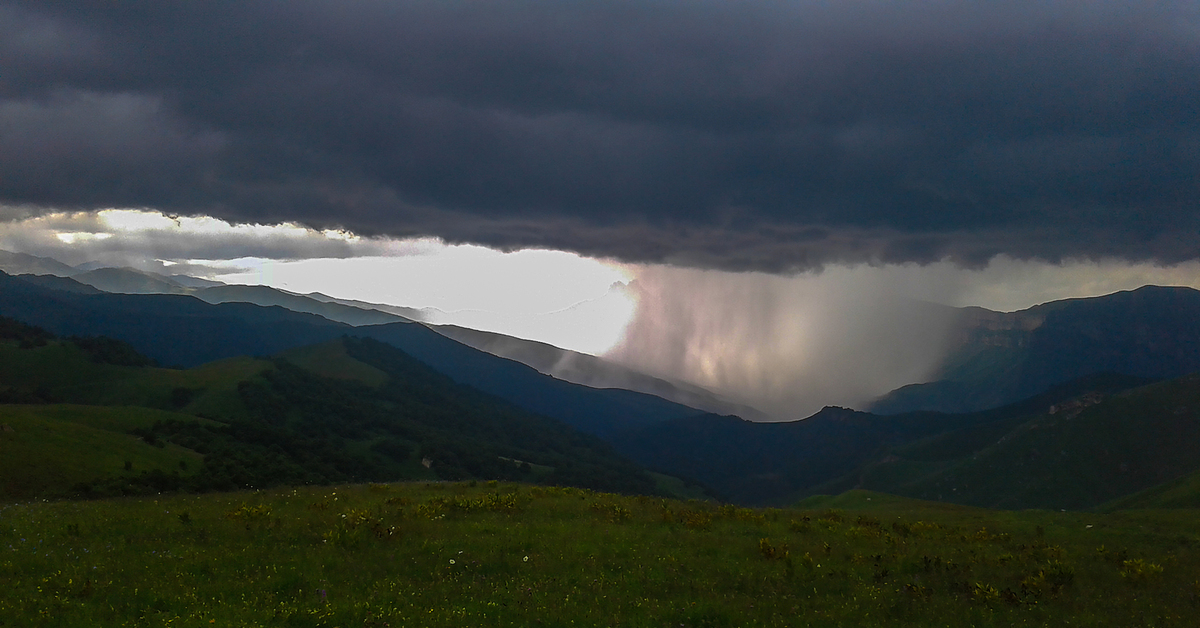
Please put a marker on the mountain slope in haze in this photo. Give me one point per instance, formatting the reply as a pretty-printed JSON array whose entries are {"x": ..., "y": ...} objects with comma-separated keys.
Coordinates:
[
  {"x": 129, "y": 281},
  {"x": 567, "y": 365},
  {"x": 1075, "y": 454},
  {"x": 61, "y": 284},
  {"x": 120, "y": 279},
  {"x": 187, "y": 281},
  {"x": 185, "y": 331},
  {"x": 23, "y": 263},
  {"x": 410, "y": 313},
  {"x": 176, "y": 330},
  {"x": 604, "y": 412},
  {"x": 1151, "y": 332},
  {"x": 267, "y": 296},
  {"x": 592, "y": 371}
]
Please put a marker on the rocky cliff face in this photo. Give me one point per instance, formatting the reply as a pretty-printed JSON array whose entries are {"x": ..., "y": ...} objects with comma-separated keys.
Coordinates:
[{"x": 978, "y": 326}]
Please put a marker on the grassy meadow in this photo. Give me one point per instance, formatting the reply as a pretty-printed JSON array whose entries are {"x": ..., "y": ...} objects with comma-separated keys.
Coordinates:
[
  {"x": 488, "y": 554},
  {"x": 46, "y": 448}
]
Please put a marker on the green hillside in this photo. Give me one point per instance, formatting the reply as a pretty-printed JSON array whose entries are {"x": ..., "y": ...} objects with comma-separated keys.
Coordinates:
[
  {"x": 1183, "y": 492},
  {"x": 779, "y": 463},
  {"x": 64, "y": 371},
  {"x": 856, "y": 500},
  {"x": 56, "y": 449},
  {"x": 329, "y": 359},
  {"x": 346, "y": 410},
  {"x": 1081, "y": 454},
  {"x": 183, "y": 331}
]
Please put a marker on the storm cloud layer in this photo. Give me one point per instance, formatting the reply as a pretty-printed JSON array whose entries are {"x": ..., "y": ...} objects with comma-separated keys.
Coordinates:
[{"x": 775, "y": 136}]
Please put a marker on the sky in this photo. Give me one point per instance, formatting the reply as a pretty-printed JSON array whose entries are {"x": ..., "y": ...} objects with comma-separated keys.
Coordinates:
[{"x": 733, "y": 187}]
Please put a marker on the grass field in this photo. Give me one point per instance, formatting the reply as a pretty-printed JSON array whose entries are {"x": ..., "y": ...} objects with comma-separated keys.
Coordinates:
[
  {"x": 69, "y": 375},
  {"x": 1183, "y": 492},
  {"x": 486, "y": 554},
  {"x": 46, "y": 449}
]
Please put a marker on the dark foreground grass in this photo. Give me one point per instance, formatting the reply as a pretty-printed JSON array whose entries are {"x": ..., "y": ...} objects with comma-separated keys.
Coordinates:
[{"x": 515, "y": 555}]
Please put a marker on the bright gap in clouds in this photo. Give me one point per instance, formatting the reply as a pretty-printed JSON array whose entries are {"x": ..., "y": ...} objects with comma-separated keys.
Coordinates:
[{"x": 550, "y": 296}]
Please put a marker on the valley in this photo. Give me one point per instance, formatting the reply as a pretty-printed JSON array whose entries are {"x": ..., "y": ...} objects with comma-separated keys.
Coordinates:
[
  {"x": 142, "y": 433},
  {"x": 554, "y": 314}
]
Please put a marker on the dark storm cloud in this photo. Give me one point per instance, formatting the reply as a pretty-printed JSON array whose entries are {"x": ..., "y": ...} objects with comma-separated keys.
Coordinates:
[{"x": 751, "y": 135}]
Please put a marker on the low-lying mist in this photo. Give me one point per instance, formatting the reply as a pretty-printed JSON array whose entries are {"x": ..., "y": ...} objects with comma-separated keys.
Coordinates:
[{"x": 787, "y": 345}]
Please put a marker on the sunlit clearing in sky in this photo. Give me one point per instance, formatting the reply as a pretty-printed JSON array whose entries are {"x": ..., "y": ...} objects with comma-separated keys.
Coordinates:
[
  {"x": 137, "y": 220},
  {"x": 134, "y": 220},
  {"x": 76, "y": 237},
  {"x": 551, "y": 296},
  {"x": 561, "y": 298}
]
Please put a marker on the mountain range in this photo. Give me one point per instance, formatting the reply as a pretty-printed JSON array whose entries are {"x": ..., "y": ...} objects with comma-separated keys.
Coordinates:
[
  {"x": 1104, "y": 382},
  {"x": 1003, "y": 357},
  {"x": 1079, "y": 452},
  {"x": 346, "y": 410},
  {"x": 180, "y": 330},
  {"x": 563, "y": 364}
]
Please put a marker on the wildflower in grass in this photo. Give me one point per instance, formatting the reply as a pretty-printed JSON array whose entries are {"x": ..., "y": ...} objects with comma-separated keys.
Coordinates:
[
  {"x": 1139, "y": 570},
  {"x": 984, "y": 593},
  {"x": 772, "y": 552}
]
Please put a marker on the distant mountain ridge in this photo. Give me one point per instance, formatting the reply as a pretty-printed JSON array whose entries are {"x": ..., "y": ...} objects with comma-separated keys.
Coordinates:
[
  {"x": 23, "y": 263},
  {"x": 1113, "y": 434},
  {"x": 88, "y": 403},
  {"x": 1077, "y": 453},
  {"x": 185, "y": 331},
  {"x": 410, "y": 313},
  {"x": 831, "y": 451},
  {"x": 129, "y": 281},
  {"x": 266, "y": 296},
  {"x": 581, "y": 368},
  {"x": 563, "y": 364},
  {"x": 1151, "y": 332}
]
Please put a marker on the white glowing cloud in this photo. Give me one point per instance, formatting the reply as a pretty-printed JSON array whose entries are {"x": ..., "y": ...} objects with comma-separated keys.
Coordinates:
[
  {"x": 79, "y": 237},
  {"x": 551, "y": 296},
  {"x": 133, "y": 220},
  {"x": 147, "y": 239}
]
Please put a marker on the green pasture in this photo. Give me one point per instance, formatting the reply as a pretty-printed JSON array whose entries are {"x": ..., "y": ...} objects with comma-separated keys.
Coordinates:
[
  {"x": 487, "y": 554},
  {"x": 47, "y": 449}
]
